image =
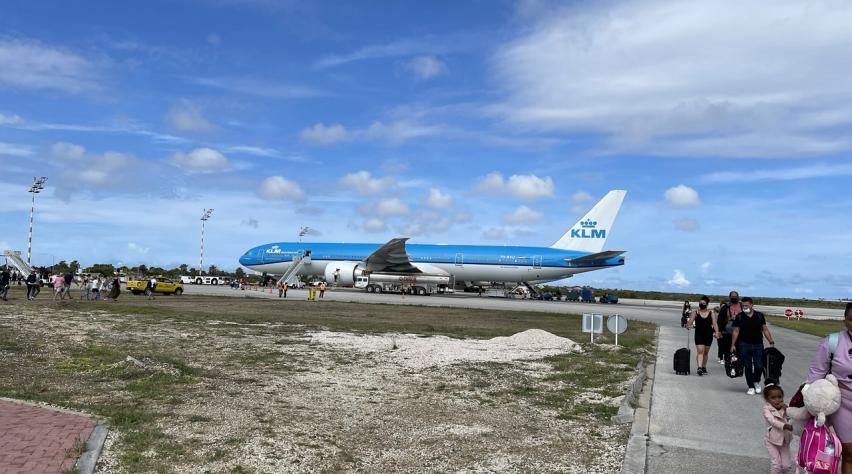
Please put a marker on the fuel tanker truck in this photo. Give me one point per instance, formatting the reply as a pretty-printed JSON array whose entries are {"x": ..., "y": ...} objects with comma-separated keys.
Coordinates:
[{"x": 410, "y": 283}]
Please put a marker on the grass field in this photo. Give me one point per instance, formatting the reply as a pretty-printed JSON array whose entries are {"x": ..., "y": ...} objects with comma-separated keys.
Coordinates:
[
  {"x": 239, "y": 385},
  {"x": 758, "y": 300},
  {"x": 808, "y": 326}
]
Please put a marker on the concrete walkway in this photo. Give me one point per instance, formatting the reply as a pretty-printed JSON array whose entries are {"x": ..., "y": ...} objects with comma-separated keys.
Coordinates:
[
  {"x": 40, "y": 440},
  {"x": 709, "y": 424}
]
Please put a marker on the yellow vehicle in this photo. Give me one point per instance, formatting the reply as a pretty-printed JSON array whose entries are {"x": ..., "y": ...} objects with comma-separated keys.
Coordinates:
[{"x": 166, "y": 286}]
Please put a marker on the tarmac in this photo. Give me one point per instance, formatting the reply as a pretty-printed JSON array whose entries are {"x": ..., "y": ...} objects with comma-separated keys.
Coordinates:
[{"x": 696, "y": 424}]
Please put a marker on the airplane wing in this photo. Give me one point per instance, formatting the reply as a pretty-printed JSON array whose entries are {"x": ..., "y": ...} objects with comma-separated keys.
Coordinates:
[
  {"x": 597, "y": 256},
  {"x": 391, "y": 257}
]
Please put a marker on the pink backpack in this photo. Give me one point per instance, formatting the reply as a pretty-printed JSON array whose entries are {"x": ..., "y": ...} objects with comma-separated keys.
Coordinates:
[{"x": 819, "y": 449}]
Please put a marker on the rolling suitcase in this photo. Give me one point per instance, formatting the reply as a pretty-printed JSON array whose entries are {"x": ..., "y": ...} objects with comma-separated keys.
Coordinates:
[
  {"x": 733, "y": 366},
  {"x": 682, "y": 357},
  {"x": 773, "y": 359}
]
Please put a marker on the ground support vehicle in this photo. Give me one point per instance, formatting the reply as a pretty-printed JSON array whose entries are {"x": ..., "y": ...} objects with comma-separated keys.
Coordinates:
[
  {"x": 203, "y": 279},
  {"x": 422, "y": 284},
  {"x": 164, "y": 286},
  {"x": 609, "y": 299}
]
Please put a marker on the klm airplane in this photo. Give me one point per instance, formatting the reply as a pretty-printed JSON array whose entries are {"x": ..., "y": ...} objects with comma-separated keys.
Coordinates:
[{"x": 579, "y": 250}]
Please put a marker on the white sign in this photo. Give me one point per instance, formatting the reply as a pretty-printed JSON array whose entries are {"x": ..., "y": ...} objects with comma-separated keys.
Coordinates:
[
  {"x": 616, "y": 324},
  {"x": 593, "y": 324}
]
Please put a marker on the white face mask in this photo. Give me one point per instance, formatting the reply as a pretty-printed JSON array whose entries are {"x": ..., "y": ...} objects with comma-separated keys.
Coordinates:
[{"x": 747, "y": 310}]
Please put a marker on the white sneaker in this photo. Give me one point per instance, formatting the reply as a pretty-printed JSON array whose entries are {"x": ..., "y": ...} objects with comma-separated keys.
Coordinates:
[
  {"x": 721, "y": 361},
  {"x": 758, "y": 390},
  {"x": 750, "y": 391}
]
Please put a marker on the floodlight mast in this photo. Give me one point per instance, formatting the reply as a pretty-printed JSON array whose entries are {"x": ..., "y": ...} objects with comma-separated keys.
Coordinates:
[
  {"x": 204, "y": 216},
  {"x": 303, "y": 231},
  {"x": 37, "y": 187}
]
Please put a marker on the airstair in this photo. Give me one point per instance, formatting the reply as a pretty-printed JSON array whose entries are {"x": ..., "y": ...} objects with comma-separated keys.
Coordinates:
[
  {"x": 14, "y": 257},
  {"x": 291, "y": 276}
]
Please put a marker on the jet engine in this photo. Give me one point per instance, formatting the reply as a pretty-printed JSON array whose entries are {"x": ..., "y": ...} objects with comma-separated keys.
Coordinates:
[{"x": 342, "y": 273}]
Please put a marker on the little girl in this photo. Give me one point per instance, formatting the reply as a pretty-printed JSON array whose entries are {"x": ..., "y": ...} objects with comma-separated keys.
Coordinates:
[{"x": 779, "y": 431}]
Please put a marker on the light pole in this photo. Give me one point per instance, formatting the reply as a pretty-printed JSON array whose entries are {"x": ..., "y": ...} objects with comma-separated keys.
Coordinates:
[
  {"x": 204, "y": 216},
  {"x": 38, "y": 185},
  {"x": 303, "y": 231}
]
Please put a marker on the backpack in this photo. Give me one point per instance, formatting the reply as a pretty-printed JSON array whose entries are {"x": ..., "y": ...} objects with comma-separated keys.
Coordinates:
[{"x": 819, "y": 449}]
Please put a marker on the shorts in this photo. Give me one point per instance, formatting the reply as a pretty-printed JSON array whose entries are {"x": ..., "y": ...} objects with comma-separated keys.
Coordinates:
[
  {"x": 59, "y": 290},
  {"x": 703, "y": 339}
]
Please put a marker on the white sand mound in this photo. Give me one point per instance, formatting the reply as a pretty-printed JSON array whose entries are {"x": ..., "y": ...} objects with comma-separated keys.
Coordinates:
[{"x": 419, "y": 352}]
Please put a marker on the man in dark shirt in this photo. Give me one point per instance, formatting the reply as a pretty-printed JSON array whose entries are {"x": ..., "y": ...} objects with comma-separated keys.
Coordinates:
[
  {"x": 747, "y": 342},
  {"x": 5, "y": 279}
]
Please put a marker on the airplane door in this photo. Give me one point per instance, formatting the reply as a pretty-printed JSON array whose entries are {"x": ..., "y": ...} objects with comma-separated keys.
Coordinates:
[
  {"x": 537, "y": 261},
  {"x": 459, "y": 259}
]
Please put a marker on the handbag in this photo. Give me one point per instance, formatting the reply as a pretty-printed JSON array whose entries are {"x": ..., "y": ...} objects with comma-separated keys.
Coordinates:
[{"x": 797, "y": 401}]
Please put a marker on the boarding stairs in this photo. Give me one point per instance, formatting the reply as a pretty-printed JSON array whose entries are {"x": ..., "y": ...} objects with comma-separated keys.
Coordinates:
[
  {"x": 291, "y": 276},
  {"x": 14, "y": 257},
  {"x": 533, "y": 290}
]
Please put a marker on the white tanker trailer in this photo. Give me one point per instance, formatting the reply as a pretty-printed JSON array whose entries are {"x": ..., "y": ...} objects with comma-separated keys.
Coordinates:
[{"x": 411, "y": 283}]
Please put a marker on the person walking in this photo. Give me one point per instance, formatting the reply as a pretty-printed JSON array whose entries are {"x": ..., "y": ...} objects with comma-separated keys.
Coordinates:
[
  {"x": 96, "y": 287},
  {"x": 779, "y": 431},
  {"x": 5, "y": 281},
  {"x": 150, "y": 288},
  {"x": 834, "y": 356},
  {"x": 322, "y": 289},
  {"x": 705, "y": 330},
  {"x": 38, "y": 285},
  {"x": 115, "y": 288},
  {"x": 725, "y": 321},
  {"x": 280, "y": 289},
  {"x": 69, "y": 279},
  {"x": 747, "y": 343},
  {"x": 685, "y": 311},
  {"x": 87, "y": 290},
  {"x": 59, "y": 287},
  {"x": 286, "y": 287},
  {"x": 32, "y": 285}
]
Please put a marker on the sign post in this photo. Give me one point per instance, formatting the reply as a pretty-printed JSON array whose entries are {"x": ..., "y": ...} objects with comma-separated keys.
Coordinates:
[
  {"x": 616, "y": 325},
  {"x": 592, "y": 324}
]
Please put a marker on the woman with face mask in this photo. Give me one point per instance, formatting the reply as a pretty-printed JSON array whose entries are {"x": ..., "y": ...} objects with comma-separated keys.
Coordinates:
[
  {"x": 835, "y": 356},
  {"x": 706, "y": 329}
]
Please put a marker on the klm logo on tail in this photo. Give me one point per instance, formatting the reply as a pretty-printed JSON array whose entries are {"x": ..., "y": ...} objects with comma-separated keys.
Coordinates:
[{"x": 588, "y": 230}]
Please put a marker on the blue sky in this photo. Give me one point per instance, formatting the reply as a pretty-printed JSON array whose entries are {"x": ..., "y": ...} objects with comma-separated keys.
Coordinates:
[{"x": 449, "y": 122}]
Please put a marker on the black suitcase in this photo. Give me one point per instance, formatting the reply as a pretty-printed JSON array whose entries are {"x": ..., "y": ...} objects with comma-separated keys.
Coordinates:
[
  {"x": 773, "y": 359},
  {"x": 733, "y": 366},
  {"x": 682, "y": 357}
]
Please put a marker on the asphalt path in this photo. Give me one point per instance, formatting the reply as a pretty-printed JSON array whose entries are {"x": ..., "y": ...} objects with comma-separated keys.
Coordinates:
[{"x": 698, "y": 424}]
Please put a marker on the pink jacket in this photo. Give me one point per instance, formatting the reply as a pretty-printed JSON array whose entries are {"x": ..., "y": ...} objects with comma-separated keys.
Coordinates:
[{"x": 776, "y": 419}]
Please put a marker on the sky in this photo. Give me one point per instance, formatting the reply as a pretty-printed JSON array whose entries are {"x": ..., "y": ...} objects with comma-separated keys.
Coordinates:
[{"x": 729, "y": 123}]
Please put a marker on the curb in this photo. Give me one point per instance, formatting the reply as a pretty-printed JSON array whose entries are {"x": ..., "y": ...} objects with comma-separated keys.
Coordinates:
[
  {"x": 626, "y": 410},
  {"x": 636, "y": 452},
  {"x": 94, "y": 445}
]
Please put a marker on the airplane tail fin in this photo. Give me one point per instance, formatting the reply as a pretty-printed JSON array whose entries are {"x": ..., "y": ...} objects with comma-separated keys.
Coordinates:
[{"x": 589, "y": 234}]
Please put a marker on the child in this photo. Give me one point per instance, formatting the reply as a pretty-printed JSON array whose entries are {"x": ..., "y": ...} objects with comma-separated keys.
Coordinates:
[{"x": 779, "y": 431}]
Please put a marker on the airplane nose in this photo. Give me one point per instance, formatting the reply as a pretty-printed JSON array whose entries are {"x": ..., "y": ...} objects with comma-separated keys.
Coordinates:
[{"x": 245, "y": 260}]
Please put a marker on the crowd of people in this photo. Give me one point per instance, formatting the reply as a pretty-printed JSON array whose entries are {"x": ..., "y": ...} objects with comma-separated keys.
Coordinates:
[
  {"x": 740, "y": 330},
  {"x": 92, "y": 287}
]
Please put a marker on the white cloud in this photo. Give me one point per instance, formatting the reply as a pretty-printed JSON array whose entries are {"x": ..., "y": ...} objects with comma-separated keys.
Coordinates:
[
  {"x": 495, "y": 233},
  {"x": 201, "y": 159},
  {"x": 522, "y": 215},
  {"x": 816, "y": 170},
  {"x": 679, "y": 280},
  {"x": 364, "y": 183},
  {"x": 527, "y": 187},
  {"x": 281, "y": 188},
  {"x": 682, "y": 196},
  {"x": 270, "y": 89},
  {"x": 67, "y": 151},
  {"x": 530, "y": 187},
  {"x": 325, "y": 134},
  {"x": 490, "y": 183},
  {"x": 705, "y": 267},
  {"x": 426, "y": 67},
  {"x": 10, "y": 120},
  {"x": 134, "y": 247},
  {"x": 438, "y": 199},
  {"x": 375, "y": 225},
  {"x": 687, "y": 225},
  {"x": 387, "y": 207},
  {"x": 26, "y": 64},
  {"x": 187, "y": 117},
  {"x": 726, "y": 78},
  {"x": 12, "y": 149},
  {"x": 806, "y": 291},
  {"x": 402, "y": 130},
  {"x": 581, "y": 197}
]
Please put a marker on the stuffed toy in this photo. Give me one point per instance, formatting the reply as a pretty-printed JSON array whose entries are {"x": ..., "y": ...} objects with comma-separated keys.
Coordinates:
[{"x": 822, "y": 398}]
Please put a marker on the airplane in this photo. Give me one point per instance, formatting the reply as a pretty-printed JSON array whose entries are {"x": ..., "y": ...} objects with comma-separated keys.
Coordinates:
[{"x": 579, "y": 250}]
